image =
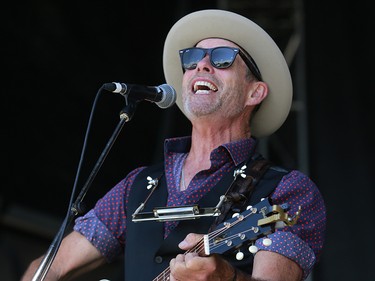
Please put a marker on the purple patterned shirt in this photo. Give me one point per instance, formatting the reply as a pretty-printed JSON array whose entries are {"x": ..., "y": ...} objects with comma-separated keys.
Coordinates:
[{"x": 105, "y": 225}]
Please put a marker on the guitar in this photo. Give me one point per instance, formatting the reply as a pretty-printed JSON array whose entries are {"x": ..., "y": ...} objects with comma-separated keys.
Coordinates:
[{"x": 242, "y": 229}]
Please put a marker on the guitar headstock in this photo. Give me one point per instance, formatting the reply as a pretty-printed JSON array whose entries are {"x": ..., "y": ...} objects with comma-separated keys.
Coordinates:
[{"x": 257, "y": 221}]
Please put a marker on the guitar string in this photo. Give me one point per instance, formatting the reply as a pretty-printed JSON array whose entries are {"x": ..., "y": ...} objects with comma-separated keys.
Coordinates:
[
  {"x": 197, "y": 248},
  {"x": 220, "y": 243},
  {"x": 214, "y": 246},
  {"x": 200, "y": 245}
]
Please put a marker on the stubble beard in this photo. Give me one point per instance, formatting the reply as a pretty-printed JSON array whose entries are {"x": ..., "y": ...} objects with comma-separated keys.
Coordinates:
[{"x": 197, "y": 109}]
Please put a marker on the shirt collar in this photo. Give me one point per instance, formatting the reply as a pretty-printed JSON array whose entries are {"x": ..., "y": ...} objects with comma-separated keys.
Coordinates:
[{"x": 239, "y": 151}]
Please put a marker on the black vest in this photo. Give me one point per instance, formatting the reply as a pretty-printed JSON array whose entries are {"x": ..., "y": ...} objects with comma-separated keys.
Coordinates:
[{"x": 147, "y": 253}]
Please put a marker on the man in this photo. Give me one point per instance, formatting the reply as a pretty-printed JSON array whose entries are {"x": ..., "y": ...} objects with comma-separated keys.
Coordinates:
[{"x": 233, "y": 84}]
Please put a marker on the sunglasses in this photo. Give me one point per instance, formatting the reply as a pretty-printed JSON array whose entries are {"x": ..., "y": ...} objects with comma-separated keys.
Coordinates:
[{"x": 220, "y": 57}]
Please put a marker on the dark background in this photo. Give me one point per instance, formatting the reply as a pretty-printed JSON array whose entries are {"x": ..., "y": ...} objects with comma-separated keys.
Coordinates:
[{"x": 57, "y": 54}]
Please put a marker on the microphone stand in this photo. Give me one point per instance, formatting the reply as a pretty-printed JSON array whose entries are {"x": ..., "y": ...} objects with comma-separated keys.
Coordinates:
[{"x": 126, "y": 115}]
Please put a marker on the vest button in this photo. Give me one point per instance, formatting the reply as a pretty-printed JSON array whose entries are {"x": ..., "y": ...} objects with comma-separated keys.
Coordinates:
[{"x": 158, "y": 259}]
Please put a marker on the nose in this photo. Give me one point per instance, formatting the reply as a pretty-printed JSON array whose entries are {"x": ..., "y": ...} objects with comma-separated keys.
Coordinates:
[{"x": 205, "y": 64}]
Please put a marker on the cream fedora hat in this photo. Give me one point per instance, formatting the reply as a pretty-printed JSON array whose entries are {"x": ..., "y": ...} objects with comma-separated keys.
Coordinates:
[{"x": 194, "y": 27}]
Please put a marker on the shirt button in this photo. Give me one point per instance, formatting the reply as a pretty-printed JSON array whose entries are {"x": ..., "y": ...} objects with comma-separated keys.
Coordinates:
[{"x": 158, "y": 259}]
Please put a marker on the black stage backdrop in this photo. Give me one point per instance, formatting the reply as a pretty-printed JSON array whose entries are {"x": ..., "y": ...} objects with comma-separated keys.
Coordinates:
[
  {"x": 57, "y": 55},
  {"x": 340, "y": 49}
]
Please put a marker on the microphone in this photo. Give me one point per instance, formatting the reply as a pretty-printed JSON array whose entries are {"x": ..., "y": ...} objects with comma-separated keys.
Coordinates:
[{"x": 163, "y": 95}]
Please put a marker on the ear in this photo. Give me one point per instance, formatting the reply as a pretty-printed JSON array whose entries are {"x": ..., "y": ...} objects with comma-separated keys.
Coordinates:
[{"x": 257, "y": 93}]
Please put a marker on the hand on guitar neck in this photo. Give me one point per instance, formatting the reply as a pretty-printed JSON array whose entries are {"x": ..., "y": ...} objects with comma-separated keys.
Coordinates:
[{"x": 202, "y": 251}]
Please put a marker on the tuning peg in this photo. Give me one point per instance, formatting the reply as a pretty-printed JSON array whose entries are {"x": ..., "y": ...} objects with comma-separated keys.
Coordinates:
[
  {"x": 267, "y": 242},
  {"x": 239, "y": 256},
  {"x": 252, "y": 209},
  {"x": 253, "y": 249},
  {"x": 279, "y": 224},
  {"x": 235, "y": 215}
]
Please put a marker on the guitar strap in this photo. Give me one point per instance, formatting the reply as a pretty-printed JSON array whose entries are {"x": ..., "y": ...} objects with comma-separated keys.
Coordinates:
[
  {"x": 240, "y": 192},
  {"x": 262, "y": 179}
]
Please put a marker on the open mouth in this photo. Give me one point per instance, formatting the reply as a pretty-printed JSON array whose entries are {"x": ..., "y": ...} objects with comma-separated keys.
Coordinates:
[{"x": 203, "y": 87}]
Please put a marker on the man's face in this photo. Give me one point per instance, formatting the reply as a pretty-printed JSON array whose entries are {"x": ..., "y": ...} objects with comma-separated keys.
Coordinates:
[{"x": 212, "y": 92}]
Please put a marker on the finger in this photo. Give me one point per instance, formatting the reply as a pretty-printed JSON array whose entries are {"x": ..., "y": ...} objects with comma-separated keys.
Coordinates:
[
  {"x": 190, "y": 256},
  {"x": 190, "y": 241},
  {"x": 180, "y": 258},
  {"x": 177, "y": 263},
  {"x": 194, "y": 262}
]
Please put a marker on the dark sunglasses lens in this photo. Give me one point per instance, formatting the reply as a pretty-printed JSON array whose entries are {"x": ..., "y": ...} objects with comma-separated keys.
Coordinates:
[
  {"x": 222, "y": 57},
  {"x": 191, "y": 57}
]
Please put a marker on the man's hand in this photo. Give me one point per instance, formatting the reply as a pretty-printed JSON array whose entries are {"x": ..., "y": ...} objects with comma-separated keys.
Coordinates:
[
  {"x": 191, "y": 266},
  {"x": 267, "y": 266}
]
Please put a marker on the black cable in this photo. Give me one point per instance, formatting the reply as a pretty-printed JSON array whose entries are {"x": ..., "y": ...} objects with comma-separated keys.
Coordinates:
[{"x": 47, "y": 261}]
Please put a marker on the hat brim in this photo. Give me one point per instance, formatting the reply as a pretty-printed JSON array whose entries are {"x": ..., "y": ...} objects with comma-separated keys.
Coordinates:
[{"x": 199, "y": 25}]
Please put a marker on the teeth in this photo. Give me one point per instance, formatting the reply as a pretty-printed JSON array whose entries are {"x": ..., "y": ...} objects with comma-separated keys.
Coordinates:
[{"x": 205, "y": 84}]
